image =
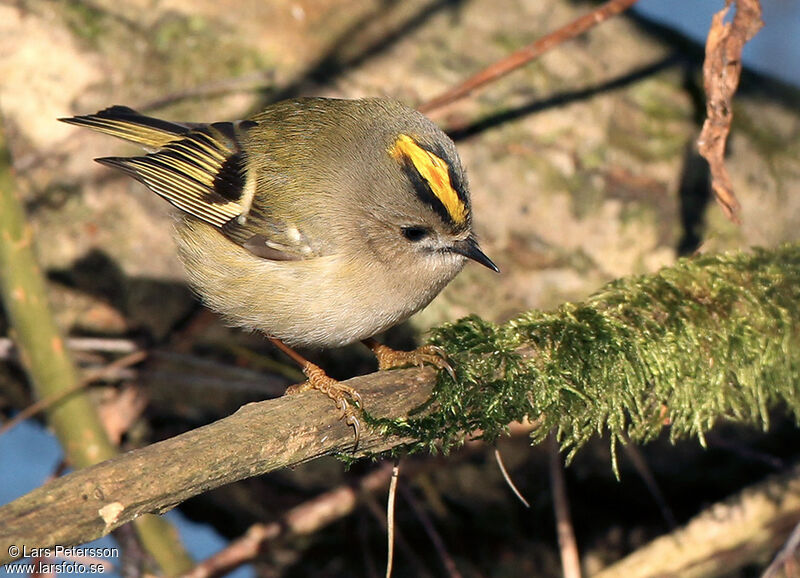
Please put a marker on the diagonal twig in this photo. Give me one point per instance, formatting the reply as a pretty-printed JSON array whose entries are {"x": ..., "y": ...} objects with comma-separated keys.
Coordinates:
[
  {"x": 303, "y": 519},
  {"x": 786, "y": 559},
  {"x": 436, "y": 539},
  {"x": 109, "y": 370},
  {"x": 528, "y": 53}
]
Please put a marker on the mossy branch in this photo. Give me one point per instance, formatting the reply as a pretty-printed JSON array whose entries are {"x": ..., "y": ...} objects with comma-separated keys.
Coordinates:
[
  {"x": 712, "y": 337},
  {"x": 48, "y": 364}
]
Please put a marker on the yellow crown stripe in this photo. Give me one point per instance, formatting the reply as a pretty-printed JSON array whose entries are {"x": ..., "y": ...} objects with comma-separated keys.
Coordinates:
[{"x": 435, "y": 172}]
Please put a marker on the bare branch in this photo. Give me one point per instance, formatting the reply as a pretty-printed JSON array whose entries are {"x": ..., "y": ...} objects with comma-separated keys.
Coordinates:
[
  {"x": 258, "y": 438},
  {"x": 94, "y": 344},
  {"x": 306, "y": 518},
  {"x": 528, "y": 53},
  {"x": 42, "y": 404},
  {"x": 726, "y": 535}
]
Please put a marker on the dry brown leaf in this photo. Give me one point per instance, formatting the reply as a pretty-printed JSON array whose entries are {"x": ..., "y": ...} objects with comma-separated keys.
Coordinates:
[{"x": 721, "y": 71}]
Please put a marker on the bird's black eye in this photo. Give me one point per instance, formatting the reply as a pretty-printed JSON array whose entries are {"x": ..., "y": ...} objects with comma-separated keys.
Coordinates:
[{"x": 415, "y": 233}]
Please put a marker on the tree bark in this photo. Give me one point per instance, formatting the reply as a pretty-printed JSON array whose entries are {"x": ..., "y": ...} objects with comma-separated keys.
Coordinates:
[{"x": 259, "y": 438}]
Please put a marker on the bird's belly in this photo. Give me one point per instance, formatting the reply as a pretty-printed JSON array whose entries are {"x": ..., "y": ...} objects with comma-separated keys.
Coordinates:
[{"x": 322, "y": 302}]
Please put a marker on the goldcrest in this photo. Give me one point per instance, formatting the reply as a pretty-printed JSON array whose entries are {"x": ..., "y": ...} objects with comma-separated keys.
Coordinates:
[{"x": 318, "y": 221}]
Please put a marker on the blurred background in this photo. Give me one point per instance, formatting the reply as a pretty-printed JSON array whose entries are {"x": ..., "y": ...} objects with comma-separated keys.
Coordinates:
[{"x": 582, "y": 168}]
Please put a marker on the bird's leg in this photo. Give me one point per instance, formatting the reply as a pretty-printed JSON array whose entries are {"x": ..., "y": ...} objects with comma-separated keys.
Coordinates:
[
  {"x": 319, "y": 380},
  {"x": 389, "y": 358}
]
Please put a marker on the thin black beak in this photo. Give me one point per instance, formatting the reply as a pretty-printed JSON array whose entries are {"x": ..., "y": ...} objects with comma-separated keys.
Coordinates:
[{"x": 469, "y": 248}]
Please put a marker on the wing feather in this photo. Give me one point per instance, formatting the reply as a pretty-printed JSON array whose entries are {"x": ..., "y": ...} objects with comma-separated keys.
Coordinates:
[{"x": 201, "y": 170}]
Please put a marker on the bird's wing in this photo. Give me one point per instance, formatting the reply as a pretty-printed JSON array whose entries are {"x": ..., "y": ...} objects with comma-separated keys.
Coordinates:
[{"x": 201, "y": 170}]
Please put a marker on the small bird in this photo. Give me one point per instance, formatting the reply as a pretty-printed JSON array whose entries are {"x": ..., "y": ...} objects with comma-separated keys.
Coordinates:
[{"x": 319, "y": 222}]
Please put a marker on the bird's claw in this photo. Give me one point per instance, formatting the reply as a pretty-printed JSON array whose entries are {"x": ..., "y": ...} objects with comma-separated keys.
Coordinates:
[
  {"x": 337, "y": 391},
  {"x": 389, "y": 358}
]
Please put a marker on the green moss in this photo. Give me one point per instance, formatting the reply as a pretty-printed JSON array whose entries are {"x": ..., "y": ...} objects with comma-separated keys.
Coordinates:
[
  {"x": 715, "y": 337},
  {"x": 767, "y": 140},
  {"x": 657, "y": 99},
  {"x": 178, "y": 32},
  {"x": 87, "y": 22},
  {"x": 177, "y": 50},
  {"x": 648, "y": 139},
  {"x": 639, "y": 214},
  {"x": 193, "y": 50},
  {"x": 508, "y": 41},
  {"x": 593, "y": 158},
  {"x": 655, "y": 124},
  {"x": 586, "y": 196}
]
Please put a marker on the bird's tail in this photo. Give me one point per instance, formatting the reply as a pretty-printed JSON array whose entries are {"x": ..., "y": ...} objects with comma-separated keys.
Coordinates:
[{"x": 126, "y": 123}]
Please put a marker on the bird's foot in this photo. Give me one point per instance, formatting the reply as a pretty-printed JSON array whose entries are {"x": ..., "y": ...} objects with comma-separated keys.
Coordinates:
[
  {"x": 389, "y": 358},
  {"x": 336, "y": 390}
]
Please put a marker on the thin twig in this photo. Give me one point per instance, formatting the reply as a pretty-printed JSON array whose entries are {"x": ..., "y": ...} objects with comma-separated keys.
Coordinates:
[
  {"x": 641, "y": 467},
  {"x": 748, "y": 454},
  {"x": 570, "y": 561},
  {"x": 401, "y": 544},
  {"x": 509, "y": 482},
  {"x": 240, "y": 551},
  {"x": 528, "y": 53},
  {"x": 786, "y": 559},
  {"x": 246, "y": 83},
  {"x": 390, "y": 505},
  {"x": 303, "y": 519},
  {"x": 103, "y": 373},
  {"x": 93, "y": 344},
  {"x": 433, "y": 534}
]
